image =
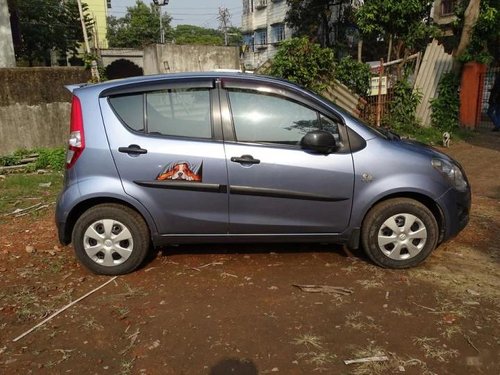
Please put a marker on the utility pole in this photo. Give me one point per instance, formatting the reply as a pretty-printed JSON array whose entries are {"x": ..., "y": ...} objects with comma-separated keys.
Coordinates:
[
  {"x": 159, "y": 4},
  {"x": 93, "y": 68},
  {"x": 224, "y": 18}
]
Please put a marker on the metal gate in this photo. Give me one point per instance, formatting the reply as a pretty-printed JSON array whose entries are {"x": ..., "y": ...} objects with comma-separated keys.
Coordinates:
[{"x": 486, "y": 83}]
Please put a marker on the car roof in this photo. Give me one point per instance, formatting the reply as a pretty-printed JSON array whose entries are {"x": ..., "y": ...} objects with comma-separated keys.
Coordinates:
[
  {"x": 179, "y": 76},
  {"x": 97, "y": 89}
]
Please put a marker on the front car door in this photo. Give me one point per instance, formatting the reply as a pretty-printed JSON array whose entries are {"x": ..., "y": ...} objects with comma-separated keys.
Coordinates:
[
  {"x": 167, "y": 145},
  {"x": 275, "y": 186}
]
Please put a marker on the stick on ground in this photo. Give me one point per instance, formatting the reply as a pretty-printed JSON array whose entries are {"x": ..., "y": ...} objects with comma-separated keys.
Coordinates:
[
  {"x": 64, "y": 308},
  {"x": 367, "y": 359}
]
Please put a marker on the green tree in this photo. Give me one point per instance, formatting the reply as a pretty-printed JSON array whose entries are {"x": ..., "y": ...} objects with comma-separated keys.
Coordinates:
[
  {"x": 303, "y": 62},
  {"x": 477, "y": 31},
  {"x": 325, "y": 21},
  {"x": 403, "y": 108},
  {"x": 45, "y": 26},
  {"x": 445, "y": 107},
  {"x": 139, "y": 27},
  {"x": 406, "y": 22},
  {"x": 354, "y": 75},
  {"x": 190, "y": 34}
]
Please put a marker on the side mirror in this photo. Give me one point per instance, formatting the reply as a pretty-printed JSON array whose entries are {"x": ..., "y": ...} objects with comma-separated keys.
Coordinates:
[{"x": 320, "y": 141}]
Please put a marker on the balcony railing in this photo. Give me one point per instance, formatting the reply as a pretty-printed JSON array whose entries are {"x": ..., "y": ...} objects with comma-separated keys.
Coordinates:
[{"x": 261, "y": 4}]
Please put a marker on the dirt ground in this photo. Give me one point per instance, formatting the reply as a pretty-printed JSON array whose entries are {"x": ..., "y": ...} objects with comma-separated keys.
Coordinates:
[{"x": 234, "y": 309}]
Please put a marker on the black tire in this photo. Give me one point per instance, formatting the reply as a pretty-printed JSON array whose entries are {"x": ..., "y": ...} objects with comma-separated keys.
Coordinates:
[
  {"x": 117, "y": 220},
  {"x": 409, "y": 247}
]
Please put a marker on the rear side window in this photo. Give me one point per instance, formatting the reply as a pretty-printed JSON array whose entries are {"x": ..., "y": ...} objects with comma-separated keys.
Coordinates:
[
  {"x": 184, "y": 113},
  {"x": 173, "y": 112},
  {"x": 130, "y": 109}
]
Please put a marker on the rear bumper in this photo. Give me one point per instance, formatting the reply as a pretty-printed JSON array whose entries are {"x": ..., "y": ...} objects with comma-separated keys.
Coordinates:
[{"x": 60, "y": 221}]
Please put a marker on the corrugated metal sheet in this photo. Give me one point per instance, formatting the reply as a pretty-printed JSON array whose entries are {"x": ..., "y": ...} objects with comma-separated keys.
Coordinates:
[
  {"x": 435, "y": 63},
  {"x": 343, "y": 97},
  {"x": 335, "y": 92}
]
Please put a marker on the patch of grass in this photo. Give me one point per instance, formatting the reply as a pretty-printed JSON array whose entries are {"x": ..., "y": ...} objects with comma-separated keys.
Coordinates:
[
  {"x": 356, "y": 321},
  {"x": 401, "y": 312},
  {"x": 449, "y": 331},
  {"x": 432, "y": 349},
  {"x": 34, "y": 302},
  {"x": 52, "y": 158},
  {"x": 127, "y": 366},
  {"x": 371, "y": 283},
  {"x": 24, "y": 190},
  {"x": 434, "y": 136},
  {"x": 55, "y": 264},
  {"x": 309, "y": 341},
  {"x": 372, "y": 368},
  {"x": 91, "y": 325},
  {"x": 121, "y": 311},
  {"x": 316, "y": 355},
  {"x": 27, "y": 303}
]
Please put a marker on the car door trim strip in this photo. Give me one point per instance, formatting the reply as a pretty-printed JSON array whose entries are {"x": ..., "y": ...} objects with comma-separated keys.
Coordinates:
[
  {"x": 281, "y": 193},
  {"x": 184, "y": 185}
]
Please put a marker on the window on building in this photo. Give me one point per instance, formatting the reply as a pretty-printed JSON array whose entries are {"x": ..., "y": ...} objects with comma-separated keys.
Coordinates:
[
  {"x": 448, "y": 7},
  {"x": 260, "y": 4},
  {"x": 278, "y": 32},
  {"x": 248, "y": 42},
  {"x": 260, "y": 37}
]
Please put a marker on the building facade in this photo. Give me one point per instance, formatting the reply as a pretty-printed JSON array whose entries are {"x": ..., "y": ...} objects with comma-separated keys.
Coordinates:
[
  {"x": 263, "y": 27},
  {"x": 98, "y": 10},
  {"x": 443, "y": 14}
]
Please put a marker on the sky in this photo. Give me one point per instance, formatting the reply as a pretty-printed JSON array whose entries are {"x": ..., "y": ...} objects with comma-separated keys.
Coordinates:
[{"x": 191, "y": 12}]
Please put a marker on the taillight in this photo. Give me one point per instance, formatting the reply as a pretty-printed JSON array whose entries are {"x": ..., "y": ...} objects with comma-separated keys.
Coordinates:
[{"x": 76, "y": 142}]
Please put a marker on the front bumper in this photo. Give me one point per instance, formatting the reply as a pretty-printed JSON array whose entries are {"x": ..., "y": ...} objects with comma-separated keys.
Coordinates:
[{"x": 455, "y": 206}]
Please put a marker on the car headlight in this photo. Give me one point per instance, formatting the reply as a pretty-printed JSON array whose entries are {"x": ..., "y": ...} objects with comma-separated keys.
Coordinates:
[{"x": 451, "y": 172}]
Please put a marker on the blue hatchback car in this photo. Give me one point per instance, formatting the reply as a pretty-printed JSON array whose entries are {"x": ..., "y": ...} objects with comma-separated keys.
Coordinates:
[{"x": 229, "y": 157}]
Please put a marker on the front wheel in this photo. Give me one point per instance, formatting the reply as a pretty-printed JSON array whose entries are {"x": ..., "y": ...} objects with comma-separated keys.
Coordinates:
[
  {"x": 111, "y": 239},
  {"x": 399, "y": 233}
]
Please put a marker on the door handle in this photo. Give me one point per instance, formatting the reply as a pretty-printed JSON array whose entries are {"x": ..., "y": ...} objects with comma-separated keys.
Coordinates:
[
  {"x": 245, "y": 159},
  {"x": 133, "y": 149}
]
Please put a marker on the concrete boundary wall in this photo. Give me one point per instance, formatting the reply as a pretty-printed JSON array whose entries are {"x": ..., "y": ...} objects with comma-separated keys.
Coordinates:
[
  {"x": 173, "y": 58},
  {"x": 35, "y": 106}
]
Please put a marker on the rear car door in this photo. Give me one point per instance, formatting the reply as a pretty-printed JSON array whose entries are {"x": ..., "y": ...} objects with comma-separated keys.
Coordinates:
[
  {"x": 167, "y": 146},
  {"x": 275, "y": 187}
]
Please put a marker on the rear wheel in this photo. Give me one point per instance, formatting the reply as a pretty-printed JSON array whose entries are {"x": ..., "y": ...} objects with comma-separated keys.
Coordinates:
[
  {"x": 399, "y": 233},
  {"x": 111, "y": 239}
]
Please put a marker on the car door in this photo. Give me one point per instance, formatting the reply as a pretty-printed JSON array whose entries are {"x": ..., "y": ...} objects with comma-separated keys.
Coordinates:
[
  {"x": 166, "y": 144},
  {"x": 275, "y": 187}
]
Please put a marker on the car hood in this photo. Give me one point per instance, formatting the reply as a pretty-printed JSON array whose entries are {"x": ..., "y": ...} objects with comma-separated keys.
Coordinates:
[{"x": 422, "y": 149}]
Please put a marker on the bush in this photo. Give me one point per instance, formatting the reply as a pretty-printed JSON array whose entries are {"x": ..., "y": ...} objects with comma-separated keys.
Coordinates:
[
  {"x": 300, "y": 61},
  {"x": 48, "y": 158},
  {"x": 402, "y": 111},
  {"x": 445, "y": 107},
  {"x": 52, "y": 158},
  {"x": 353, "y": 74}
]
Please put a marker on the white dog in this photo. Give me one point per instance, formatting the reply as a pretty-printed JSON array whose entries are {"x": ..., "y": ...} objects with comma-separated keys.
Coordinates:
[{"x": 446, "y": 139}]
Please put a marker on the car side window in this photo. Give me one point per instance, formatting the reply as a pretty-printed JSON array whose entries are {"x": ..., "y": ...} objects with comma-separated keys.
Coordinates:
[
  {"x": 179, "y": 112},
  {"x": 129, "y": 109},
  {"x": 265, "y": 118}
]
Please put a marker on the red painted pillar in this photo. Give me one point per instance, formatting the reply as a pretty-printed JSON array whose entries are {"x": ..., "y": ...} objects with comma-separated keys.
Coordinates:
[{"x": 470, "y": 93}]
